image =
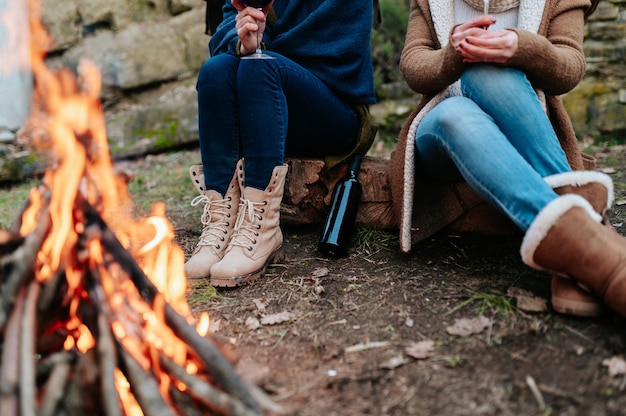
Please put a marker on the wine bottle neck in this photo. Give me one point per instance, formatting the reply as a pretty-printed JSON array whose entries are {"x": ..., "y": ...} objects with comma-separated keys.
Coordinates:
[{"x": 355, "y": 164}]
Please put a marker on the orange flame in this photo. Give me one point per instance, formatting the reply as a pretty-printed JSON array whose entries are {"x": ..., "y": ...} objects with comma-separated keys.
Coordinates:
[{"x": 67, "y": 123}]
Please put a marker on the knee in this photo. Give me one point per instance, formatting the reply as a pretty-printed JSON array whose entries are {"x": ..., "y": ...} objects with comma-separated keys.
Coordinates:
[
  {"x": 218, "y": 70},
  {"x": 491, "y": 78}
]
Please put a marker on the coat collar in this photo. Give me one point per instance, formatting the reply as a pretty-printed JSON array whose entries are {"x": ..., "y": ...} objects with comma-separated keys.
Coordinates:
[{"x": 442, "y": 12}]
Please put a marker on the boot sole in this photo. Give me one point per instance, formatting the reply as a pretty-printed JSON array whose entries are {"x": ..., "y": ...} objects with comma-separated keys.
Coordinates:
[{"x": 277, "y": 256}]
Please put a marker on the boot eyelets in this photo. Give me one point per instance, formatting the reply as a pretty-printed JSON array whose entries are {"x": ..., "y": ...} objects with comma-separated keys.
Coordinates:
[
  {"x": 249, "y": 248},
  {"x": 253, "y": 242}
]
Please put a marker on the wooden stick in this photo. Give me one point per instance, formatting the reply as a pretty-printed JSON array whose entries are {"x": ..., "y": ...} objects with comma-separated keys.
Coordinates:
[
  {"x": 144, "y": 386},
  {"x": 215, "y": 399},
  {"x": 108, "y": 363},
  {"x": 9, "y": 374},
  {"x": 54, "y": 389},
  {"x": 27, "y": 351},
  {"x": 22, "y": 261},
  {"x": 206, "y": 350},
  {"x": 46, "y": 365}
]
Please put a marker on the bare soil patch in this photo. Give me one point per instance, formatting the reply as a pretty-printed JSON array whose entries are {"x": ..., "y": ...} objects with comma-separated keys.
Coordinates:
[{"x": 337, "y": 331}]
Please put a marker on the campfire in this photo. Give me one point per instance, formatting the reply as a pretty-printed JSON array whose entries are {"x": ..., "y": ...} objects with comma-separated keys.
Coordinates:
[{"x": 93, "y": 314}]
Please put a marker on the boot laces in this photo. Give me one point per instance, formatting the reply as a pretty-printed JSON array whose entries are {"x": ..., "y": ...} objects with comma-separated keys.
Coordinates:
[
  {"x": 215, "y": 220},
  {"x": 246, "y": 231}
]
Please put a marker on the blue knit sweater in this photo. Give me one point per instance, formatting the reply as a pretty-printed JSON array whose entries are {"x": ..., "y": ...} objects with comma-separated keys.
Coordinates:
[{"x": 331, "y": 38}]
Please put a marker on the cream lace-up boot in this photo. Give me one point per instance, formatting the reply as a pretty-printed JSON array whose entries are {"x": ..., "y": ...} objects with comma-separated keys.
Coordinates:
[
  {"x": 218, "y": 220},
  {"x": 258, "y": 239}
]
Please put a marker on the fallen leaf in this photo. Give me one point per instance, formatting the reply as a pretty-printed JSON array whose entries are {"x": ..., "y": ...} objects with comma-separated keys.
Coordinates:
[
  {"x": 616, "y": 365},
  {"x": 215, "y": 325},
  {"x": 259, "y": 305},
  {"x": 320, "y": 272},
  {"x": 420, "y": 350},
  {"x": 277, "y": 318},
  {"x": 409, "y": 322},
  {"x": 252, "y": 323},
  {"x": 527, "y": 301},
  {"x": 466, "y": 326},
  {"x": 394, "y": 362}
]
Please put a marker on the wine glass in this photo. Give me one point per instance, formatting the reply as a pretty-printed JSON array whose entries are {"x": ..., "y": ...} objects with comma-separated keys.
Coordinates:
[{"x": 264, "y": 6}]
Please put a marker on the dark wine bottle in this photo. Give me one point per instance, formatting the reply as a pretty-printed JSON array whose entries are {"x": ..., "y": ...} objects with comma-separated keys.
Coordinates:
[{"x": 337, "y": 233}]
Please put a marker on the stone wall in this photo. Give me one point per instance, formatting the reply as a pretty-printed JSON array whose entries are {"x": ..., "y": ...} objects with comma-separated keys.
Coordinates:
[
  {"x": 598, "y": 104},
  {"x": 149, "y": 52}
]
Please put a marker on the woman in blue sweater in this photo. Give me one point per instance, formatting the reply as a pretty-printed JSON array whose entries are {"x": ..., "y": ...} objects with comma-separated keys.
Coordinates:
[{"x": 310, "y": 101}]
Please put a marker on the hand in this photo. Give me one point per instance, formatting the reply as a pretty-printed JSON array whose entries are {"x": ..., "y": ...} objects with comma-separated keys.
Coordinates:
[
  {"x": 248, "y": 22},
  {"x": 475, "y": 44}
]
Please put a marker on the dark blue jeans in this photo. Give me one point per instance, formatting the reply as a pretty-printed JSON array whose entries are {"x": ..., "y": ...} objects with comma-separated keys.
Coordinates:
[{"x": 264, "y": 110}]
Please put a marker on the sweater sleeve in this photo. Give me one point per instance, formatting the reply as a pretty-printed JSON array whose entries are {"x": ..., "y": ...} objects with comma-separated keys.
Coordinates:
[
  {"x": 554, "y": 62},
  {"x": 225, "y": 38},
  {"x": 425, "y": 65}
]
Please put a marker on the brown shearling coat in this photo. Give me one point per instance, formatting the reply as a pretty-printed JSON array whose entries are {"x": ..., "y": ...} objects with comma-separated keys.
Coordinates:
[{"x": 549, "y": 52}]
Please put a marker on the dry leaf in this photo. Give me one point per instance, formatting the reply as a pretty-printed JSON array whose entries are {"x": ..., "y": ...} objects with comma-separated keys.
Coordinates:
[
  {"x": 259, "y": 305},
  {"x": 252, "y": 323},
  {"x": 277, "y": 318},
  {"x": 616, "y": 365},
  {"x": 466, "y": 327},
  {"x": 320, "y": 272},
  {"x": 394, "y": 362},
  {"x": 420, "y": 350},
  {"x": 527, "y": 301}
]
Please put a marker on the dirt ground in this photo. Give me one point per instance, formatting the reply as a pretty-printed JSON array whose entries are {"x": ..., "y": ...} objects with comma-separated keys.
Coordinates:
[{"x": 370, "y": 334}]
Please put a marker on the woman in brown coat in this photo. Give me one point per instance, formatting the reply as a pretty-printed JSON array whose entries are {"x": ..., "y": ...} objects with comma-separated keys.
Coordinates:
[{"x": 491, "y": 75}]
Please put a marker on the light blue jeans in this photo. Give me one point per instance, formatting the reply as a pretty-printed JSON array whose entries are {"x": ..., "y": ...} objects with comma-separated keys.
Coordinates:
[{"x": 498, "y": 138}]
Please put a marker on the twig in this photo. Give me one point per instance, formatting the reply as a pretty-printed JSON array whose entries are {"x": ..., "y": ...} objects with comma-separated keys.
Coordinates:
[
  {"x": 22, "y": 261},
  {"x": 106, "y": 354},
  {"x": 54, "y": 389},
  {"x": 536, "y": 392},
  {"x": 27, "y": 351},
  {"x": 9, "y": 375},
  {"x": 206, "y": 350},
  {"x": 213, "y": 398},
  {"x": 144, "y": 387}
]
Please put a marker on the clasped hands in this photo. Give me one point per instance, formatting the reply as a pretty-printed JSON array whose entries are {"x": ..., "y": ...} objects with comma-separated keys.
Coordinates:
[{"x": 475, "y": 43}]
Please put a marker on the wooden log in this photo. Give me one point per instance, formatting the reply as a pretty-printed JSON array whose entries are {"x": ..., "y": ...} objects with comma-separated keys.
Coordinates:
[
  {"x": 204, "y": 347},
  {"x": 309, "y": 188},
  {"x": 27, "y": 351},
  {"x": 10, "y": 364}
]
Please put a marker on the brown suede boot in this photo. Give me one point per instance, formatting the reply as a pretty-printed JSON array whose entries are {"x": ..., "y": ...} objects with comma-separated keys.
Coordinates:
[
  {"x": 218, "y": 219},
  {"x": 567, "y": 238},
  {"x": 568, "y": 297},
  {"x": 258, "y": 239}
]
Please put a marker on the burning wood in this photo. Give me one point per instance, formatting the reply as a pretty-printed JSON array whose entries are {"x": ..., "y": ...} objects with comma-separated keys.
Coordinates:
[{"x": 93, "y": 315}]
